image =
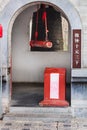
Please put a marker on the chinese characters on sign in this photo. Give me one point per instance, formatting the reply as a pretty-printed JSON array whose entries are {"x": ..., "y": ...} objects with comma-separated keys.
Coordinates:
[{"x": 76, "y": 48}]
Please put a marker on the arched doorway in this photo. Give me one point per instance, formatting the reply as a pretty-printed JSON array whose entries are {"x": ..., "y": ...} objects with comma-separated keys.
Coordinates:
[
  {"x": 18, "y": 8},
  {"x": 28, "y": 66}
]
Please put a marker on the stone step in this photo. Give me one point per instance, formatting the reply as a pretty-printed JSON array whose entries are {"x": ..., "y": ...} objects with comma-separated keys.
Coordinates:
[
  {"x": 59, "y": 110},
  {"x": 39, "y": 114},
  {"x": 38, "y": 117}
]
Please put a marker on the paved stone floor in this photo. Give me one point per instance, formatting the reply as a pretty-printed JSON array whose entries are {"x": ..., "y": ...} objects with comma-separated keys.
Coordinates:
[
  {"x": 30, "y": 94},
  {"x": 27, "y": 94},
  {"x": 74, "y": 124},
  {"x": 42, "y": 119}
]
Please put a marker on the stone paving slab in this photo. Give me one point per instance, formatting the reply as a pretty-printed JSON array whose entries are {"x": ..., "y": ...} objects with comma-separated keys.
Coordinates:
[
  {"x": 19, "y": 125},
  {"x": 74, "y": 124}
]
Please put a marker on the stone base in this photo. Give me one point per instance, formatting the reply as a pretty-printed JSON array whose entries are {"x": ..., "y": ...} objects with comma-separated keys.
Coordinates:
[
  {"x": 79, "y": 88},
  {"x": 5, "y": 105},
  {"x": 54, "y": 102},
  {"x": 77, "y": 103}
]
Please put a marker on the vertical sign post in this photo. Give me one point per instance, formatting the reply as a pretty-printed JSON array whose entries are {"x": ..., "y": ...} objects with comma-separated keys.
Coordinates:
[
  {"x": 76, "y": 48},
  {"x": 1, "y": 35}
]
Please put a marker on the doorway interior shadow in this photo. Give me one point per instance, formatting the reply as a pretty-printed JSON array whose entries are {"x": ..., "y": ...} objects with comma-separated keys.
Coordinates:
[{"x": 30, "y": 94}]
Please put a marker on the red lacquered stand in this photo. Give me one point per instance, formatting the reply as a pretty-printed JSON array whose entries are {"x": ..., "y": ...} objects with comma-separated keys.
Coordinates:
[{"x": 54, "y": 87}]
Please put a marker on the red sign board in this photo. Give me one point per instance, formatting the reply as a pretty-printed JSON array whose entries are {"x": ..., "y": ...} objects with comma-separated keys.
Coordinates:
[
  {"x": 1, "y": 31},
  {"x": 77, "y": 48}
]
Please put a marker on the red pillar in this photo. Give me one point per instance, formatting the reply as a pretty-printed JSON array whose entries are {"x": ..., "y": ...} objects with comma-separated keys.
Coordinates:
[
  {"x": 1, "y": 31},
  {"x": 54, "y": 87}
]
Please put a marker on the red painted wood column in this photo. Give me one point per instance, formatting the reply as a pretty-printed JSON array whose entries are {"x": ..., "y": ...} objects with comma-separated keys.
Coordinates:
[
  {"x": 1, "y": 31},
  {"x": 54, "y": 87}
]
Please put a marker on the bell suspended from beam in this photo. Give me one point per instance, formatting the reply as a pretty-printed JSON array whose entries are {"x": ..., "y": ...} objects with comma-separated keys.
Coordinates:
[{"x": 46, "y": 30}]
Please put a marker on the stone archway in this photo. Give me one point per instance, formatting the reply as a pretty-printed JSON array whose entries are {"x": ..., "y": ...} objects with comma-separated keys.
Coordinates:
[{"x": 10, "y": 13}]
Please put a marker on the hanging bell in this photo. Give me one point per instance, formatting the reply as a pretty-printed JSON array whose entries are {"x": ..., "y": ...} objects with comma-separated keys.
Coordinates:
[
  {"x": 55, "y": 28},
  {"x": 49, "y": 29},
  {"x": 40, "y": 31}
]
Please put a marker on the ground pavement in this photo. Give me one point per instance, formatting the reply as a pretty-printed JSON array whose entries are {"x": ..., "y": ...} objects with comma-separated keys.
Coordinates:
[{"x": 42, "y": 119}]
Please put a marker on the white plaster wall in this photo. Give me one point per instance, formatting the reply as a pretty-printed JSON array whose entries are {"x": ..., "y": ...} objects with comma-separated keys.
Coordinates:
[
  {"x": 83, "y": 15},
  {"x": 29, "y": 66},
  {"x": 81, "y": 6},
  {"x": 3, "y": 3}
]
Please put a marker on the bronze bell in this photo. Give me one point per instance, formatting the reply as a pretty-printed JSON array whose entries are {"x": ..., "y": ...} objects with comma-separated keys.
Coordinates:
[{"x": 54, "y": 26}]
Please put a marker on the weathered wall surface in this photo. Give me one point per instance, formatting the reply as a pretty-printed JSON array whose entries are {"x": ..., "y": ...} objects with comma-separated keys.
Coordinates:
[
  {"x": 3, "y": 3},
  {"x": 29, "y": 66},
  {"x": 81, "y": 6}
]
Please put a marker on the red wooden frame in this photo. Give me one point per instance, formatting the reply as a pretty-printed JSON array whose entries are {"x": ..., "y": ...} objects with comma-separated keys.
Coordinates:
[{"x": 76, "y": 48}]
